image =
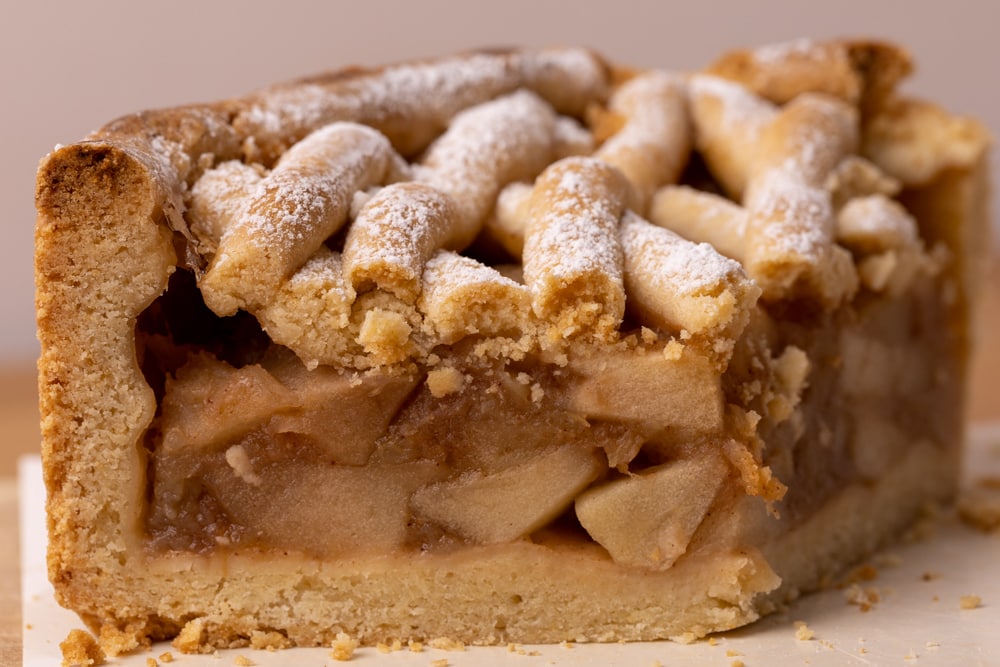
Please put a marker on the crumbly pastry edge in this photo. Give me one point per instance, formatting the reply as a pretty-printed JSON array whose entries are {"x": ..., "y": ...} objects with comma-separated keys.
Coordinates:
[{"x": 109, "y": 213}]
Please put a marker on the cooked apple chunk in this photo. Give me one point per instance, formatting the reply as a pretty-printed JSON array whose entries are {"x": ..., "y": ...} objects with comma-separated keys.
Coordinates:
[
  {"x": 511, "y": 503},
  {"x": 646, "y": 520}
]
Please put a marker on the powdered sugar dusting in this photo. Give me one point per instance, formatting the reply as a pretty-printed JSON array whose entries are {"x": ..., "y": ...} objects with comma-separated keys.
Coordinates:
[
  {"x": 674, "y": 265},
  {"x": 773, "y": 54},
  {"x": 308, "y": 195},
  {"x": 742, "y": 110},
  {"x": 577, "y": 233},
  {"x": 794, "y": 218},
  {"x": 485, "y": 148}
]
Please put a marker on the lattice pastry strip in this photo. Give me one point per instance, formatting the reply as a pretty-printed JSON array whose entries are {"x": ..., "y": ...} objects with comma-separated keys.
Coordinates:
[
  {"x": 484, "y": 148},
  {"x": 572, "y": 255},
  {"x": 412, "y": 103},
  {"x": 463, "y": 297},
  {"x": 288, "y": 214},
  {"x": 680, "y": 286},
  {"x": 791, "y": 226},
  {"x": 652, "y": 146},
  {"x": 728, "y": 120}
]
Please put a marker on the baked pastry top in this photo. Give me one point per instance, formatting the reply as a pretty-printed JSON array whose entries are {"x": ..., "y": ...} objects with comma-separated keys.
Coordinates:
[{"x": 513, "y": 345}]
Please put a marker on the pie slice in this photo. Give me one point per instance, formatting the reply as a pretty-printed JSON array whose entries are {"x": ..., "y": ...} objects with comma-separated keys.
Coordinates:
[{"x": 513, "y": 346}]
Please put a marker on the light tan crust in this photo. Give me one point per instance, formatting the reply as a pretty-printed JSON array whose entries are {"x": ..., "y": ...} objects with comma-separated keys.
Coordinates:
[{"x": 681, "y": 361}]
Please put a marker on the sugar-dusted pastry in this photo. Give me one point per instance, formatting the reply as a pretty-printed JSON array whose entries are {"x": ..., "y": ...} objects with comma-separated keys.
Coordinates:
[{"x": 513, "y": 346}]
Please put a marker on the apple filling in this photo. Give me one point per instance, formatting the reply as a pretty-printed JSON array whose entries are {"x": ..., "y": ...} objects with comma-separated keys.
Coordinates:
[{"x": 643, "y": 447}]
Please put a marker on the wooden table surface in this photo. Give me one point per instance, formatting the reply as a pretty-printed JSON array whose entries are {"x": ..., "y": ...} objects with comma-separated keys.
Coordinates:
[{"x": 19, "y": 416}]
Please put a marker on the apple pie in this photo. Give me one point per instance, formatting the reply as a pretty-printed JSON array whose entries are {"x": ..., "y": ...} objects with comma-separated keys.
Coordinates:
[{"x": 511, "y": 346}]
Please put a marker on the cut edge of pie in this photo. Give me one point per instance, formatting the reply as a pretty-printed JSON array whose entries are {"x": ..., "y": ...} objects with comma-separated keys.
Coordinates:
[{"x": 611, "y": 354}]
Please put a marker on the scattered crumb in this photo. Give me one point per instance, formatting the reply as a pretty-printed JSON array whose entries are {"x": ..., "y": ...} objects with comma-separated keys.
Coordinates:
[
  {"x": 737, "y": 663},
  {"x": 970, "y": 601},
  {"x": 933, "y": 645},
  {"x": 730, "y": 653},
  {"x": 269, "y": 641},
  {"x": 80, "y": 648},
  {"x": 383, "y": 648},
  {"x": 447, "y": 644},
  {"x": 115, "y": 642},
  {"x": 166, "y": 657},
  {"x": 864, "y": 598},
  {"x": 567, "y": 644},
  {"x": 656, "y": 663},
  {"x": 712, "y": 641},
  {"x": 930, "y": 576},
  {"x": 151, "y": 662},
  {"x": 343, "y": 647},
  {"x": 441, "y": 662},
  {"x": 911, "y": 655},
  {"x": 189, "y": 640},
  {"x": 865, "y": 572},
  {"x": 243, "y": 661},
  {"x": 415, "y": 647},
  {"x": 27, "y": 626},
  {"x": 826, "y": 644},
  {"x": 802, "y": 631}
]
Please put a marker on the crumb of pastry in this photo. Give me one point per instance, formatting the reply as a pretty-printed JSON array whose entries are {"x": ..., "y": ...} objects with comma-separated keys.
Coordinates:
[
  {"x": 243, "y": 661},
  {"x": 115, "y": 642},
  {"x": 863, "y": 598},
  {"x": 343, "y": 647},
  {"x": 81, "y": 649},
  {"x": 191, "y": 636},
  {"x": 445, "y": 381},
  {"x": 447, "y": 644},
  {"x": 151, "y": 662},
  {"x": 802, "y": 632},
  {"x": 269, "y": 641},
  {"x": 970, "y": 601},
  {"x": 415, "y": 647},
  {"x": 440, "y": 662},
  {"x": 737, "y": 663},
  {"x": 166, "y": 657}
]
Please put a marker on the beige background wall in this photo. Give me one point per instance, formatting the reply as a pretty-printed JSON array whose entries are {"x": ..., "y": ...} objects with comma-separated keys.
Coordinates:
[{"x": 67, "y": 68}]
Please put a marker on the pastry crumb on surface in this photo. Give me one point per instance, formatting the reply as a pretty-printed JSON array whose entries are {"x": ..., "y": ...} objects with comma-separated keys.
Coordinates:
[
  {"x": 415, "y": 647},
  {"x": 802, "y": 631},
  {"x": 343, "y": 647},
  {"x": 166, "y": 657},
  {"x": 243, "y": 661},
  {"x": 441, "y": 662},
  {"x": 737, "y": 663},
  {"x": 80, "y": 649},
  {"x": 151, "y": 662},
  {"x": 269, "y": 641},
  {"x": 447, "y": 644},
  {"x": 115, "y": 642},
  {"x": 864, "y": 598},
  {"x": 970, "y": 602}
]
